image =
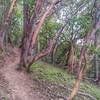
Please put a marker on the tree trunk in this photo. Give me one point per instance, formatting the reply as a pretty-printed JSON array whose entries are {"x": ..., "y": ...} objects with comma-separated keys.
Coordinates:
[
  {"x": 96, "y": 59},
  {"x": 49, "y": 49},
  {"x": 31, "y": 31},
  {"x": 71, "y": 58},
  {"x": 6, "y": 24},
  {"x": 26, "y": 31},
  {"x": 82, "y": 67}
]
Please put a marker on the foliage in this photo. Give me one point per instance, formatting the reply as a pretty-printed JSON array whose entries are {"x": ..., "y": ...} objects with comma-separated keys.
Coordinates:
[
  {"x": 42, "y": 25},
  {"x": 16, "y": 29},
  {"x": 48, "y": 31}
]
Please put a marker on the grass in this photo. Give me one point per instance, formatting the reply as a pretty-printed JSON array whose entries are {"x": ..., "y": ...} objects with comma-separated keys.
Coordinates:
[{"x": 49, "y": 73}]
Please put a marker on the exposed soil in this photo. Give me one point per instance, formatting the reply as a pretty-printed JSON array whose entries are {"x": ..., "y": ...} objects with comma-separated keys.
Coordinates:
[{"x": 17, "y": 85}]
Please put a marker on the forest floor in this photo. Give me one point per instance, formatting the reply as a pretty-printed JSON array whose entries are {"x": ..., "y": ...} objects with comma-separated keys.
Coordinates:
[
  {"x": 45, "y": 82},
  {"x": 15, "y": 85}
]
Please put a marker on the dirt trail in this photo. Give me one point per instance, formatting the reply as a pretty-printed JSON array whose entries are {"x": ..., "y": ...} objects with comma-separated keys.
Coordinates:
[{"x": 20, "y": 84}]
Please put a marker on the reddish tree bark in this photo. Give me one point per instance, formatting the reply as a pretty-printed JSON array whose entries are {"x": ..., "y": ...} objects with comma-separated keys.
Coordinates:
[
  {"x": 49, "y": 49},
  {"x": 26, "y": 31},
  {"x": 81, "y": 70},
  {"x": 30, "y": 39}
]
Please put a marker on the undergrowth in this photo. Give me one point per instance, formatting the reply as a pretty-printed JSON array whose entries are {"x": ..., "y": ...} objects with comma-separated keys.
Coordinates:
[{"x": 48, "y": 73}]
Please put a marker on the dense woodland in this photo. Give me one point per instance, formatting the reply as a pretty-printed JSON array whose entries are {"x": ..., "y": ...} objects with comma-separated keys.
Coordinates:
[{"x": 62, "y": 33}]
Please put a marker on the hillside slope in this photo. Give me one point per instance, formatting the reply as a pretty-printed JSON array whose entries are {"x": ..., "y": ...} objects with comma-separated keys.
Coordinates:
[
  {"x": 45, "y": 82},
  {"x": 16, "y": 85},
  {"x": 60, "y": 83}
]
